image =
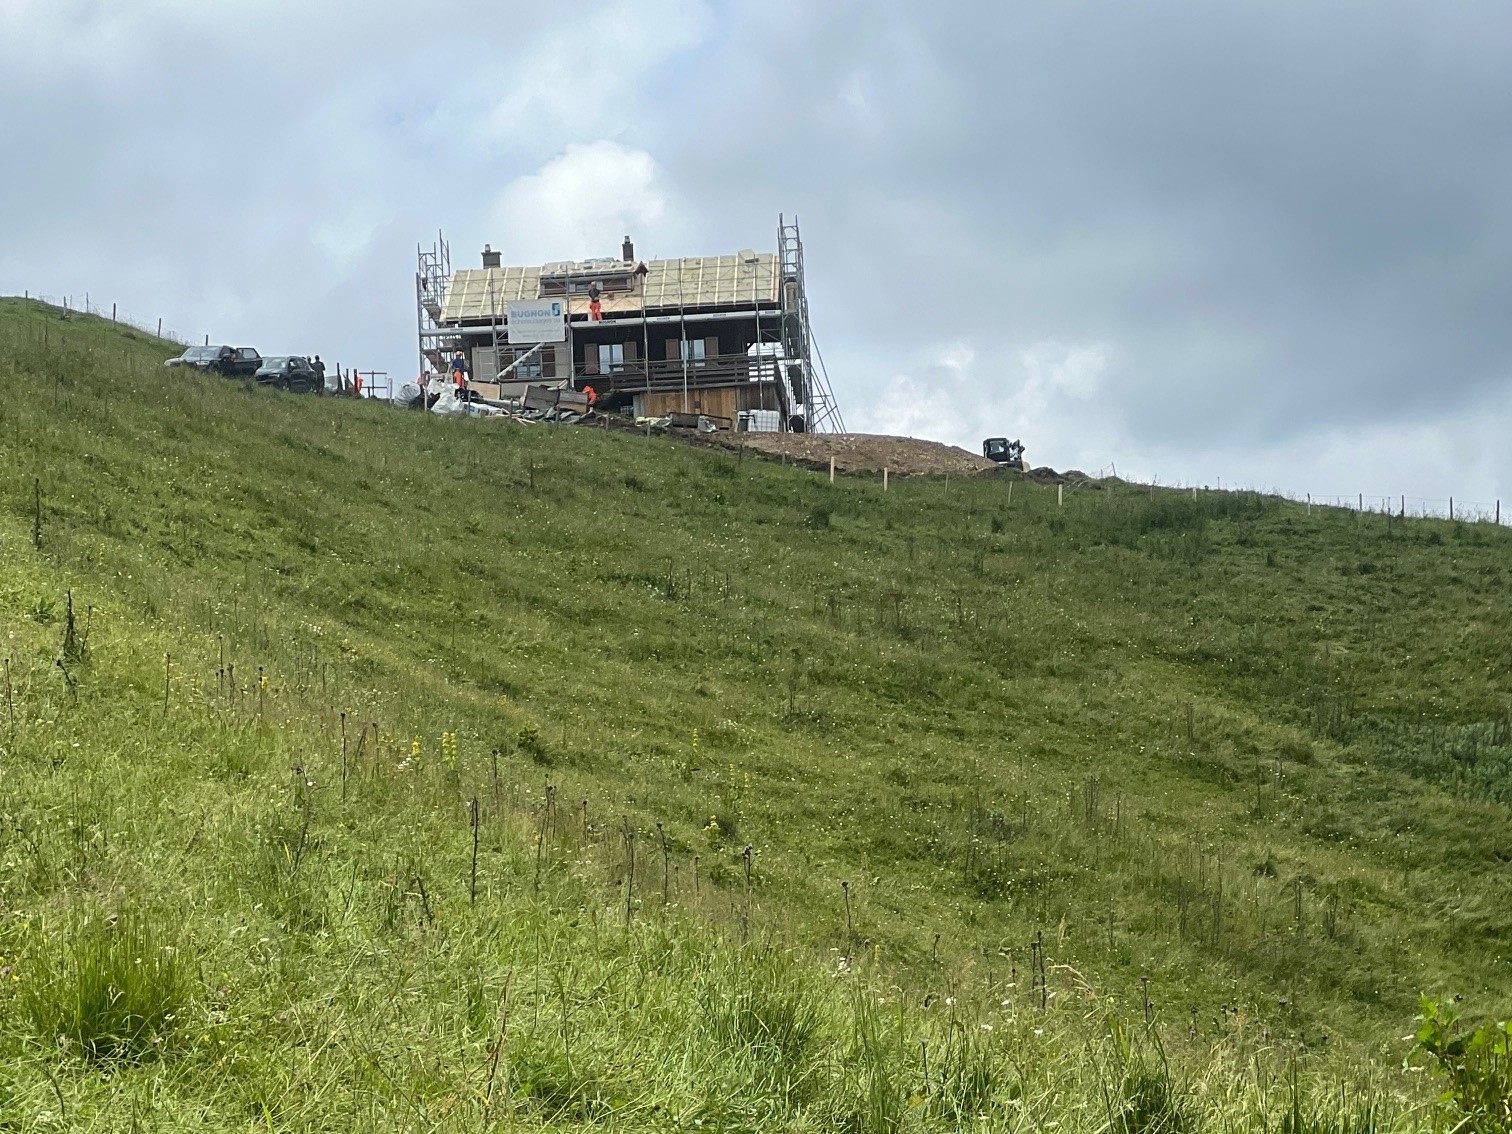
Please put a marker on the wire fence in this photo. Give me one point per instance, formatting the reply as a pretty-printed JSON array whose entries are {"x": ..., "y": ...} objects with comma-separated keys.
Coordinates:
[
  {"x": 1393, "y": 504},
  {"x": 375, "y": 383},
  {"x": 86, "y": 305},
  {"x": 1421, "y": 507}
]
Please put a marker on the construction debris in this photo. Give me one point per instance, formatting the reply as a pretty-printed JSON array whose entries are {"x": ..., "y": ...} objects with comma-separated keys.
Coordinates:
[{"x": 536, "y": 403}]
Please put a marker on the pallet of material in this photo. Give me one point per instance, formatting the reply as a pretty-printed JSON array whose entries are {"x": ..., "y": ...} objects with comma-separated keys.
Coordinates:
[
  {"x": 539, "y": 398},
  {"x": 680, "y": 420}
]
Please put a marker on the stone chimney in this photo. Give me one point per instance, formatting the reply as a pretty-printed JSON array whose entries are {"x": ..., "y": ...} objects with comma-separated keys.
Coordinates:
[
  {"x": 490, "y": 257},
  {"x": 627, "y": 251}
]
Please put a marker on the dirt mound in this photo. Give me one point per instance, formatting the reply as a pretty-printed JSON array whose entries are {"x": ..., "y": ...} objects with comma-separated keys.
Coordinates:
[{"x": 864, "y": 452}]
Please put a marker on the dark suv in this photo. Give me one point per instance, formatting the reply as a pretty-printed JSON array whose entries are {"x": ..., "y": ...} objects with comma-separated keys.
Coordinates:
[
  {"x": 233, "y": 362},
  {"x": 290, "y": 372},
  {"x": 211, "y": 358}
]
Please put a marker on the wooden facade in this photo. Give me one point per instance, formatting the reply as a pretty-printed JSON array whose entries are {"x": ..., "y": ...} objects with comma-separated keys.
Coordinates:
[{"x": 712, "y": 336}]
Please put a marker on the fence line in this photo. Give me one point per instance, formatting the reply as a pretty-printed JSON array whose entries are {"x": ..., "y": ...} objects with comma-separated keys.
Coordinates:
[
  {"x": 1393, "y": 504},
  {"x": 85, "y": 305},
  {"x": 1418, "y": 507}
]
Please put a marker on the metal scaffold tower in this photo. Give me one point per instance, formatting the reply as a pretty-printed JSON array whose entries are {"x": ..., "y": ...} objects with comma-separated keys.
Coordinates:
[
  {"x": 432, "y": 274},
  {"x": 821, "y": 408}
]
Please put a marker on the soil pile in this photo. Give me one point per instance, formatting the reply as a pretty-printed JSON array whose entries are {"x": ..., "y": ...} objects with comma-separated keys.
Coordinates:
[{"x": 864, "y": 452}]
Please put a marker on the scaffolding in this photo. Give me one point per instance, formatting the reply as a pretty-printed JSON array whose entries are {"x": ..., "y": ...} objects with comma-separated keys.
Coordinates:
[
  {"x": 811, "y": 383},
  {"x": 783, "y": 355},
  {"x": 432, "y": 274}
]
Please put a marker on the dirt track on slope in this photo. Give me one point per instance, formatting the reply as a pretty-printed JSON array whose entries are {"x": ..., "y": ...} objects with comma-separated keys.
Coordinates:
[{"x": 864, "y": 452}]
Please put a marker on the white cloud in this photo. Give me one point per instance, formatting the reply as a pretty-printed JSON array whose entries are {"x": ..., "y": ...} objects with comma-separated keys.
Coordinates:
[
  {"x": 1056, "y": 371},
  {"x": 1045, "y": 394},
  {"x": 1429, "y": 461},
  {"x": 584, "y": 75},
  {"x": 579, "y": 204}
]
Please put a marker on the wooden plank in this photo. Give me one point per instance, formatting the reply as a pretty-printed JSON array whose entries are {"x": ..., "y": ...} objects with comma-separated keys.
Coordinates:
[
  {"x": 719, "y": 402},
  {"x": 660, "y": 405},
  {"x": 540, "y": 398}
]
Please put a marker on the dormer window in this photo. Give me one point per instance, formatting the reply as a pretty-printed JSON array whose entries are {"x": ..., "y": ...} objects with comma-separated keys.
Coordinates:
[{"x": 574, "y": 284}]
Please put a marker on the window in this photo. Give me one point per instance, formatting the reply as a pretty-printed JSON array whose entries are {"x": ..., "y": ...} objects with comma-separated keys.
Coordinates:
[
  {"x": 529, "y": 364},
  {"x": 579, "y": 284},
  {"x": 611, "y": 357},
  {"x": 693, "y": 350}
]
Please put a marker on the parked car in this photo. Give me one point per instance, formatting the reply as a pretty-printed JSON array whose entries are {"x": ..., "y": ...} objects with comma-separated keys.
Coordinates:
[
  {"x": 290, "y": 372},
  {"x": 245, "y": 362},
  {"x": 209, "y": 358},
  {"x": 233, "y": 362}
]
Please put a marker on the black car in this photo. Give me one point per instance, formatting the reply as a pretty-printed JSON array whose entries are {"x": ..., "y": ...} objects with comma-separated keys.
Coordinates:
[
  {"x": 216, "y": 359},
  {"x": 233, "y": 362},
  {"x": 290, "y": 372},
  {"x": 245, "y": 362}
]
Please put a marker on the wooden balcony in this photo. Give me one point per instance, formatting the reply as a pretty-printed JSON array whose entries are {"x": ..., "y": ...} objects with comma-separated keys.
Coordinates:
[{"x": 672, "y": 375}]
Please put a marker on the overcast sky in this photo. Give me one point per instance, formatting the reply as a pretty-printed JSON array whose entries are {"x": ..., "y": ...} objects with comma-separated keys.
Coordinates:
[{"x": 1264, "y": 242}]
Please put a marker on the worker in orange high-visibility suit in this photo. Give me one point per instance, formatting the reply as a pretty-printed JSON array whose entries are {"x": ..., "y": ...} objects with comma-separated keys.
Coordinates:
[
  {"x": 459, "y": 374},
  {"x": 592, "y": 395},
  {"x": 595, "y": 308}
]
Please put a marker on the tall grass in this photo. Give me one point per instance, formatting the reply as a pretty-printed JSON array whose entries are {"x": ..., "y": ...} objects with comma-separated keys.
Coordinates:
[
  {"x": 415, "y": 729},
  {"x": 114, "y": 987}
]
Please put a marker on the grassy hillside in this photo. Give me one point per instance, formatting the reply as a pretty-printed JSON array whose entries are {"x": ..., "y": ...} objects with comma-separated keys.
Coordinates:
[{"x": 400, "y": 773}]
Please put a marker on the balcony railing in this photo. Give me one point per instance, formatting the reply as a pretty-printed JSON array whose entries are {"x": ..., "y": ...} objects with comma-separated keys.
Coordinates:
[{"x": 662, "y": 376}]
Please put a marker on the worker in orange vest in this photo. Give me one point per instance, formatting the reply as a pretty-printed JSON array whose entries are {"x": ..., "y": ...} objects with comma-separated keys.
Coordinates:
[
  {"x": 357, "y": 383},
  {"x": 592, "y": 395}
]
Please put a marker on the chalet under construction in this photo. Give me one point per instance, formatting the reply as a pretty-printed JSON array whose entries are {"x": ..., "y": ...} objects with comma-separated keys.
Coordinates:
[{"x": 724, "y": 338}]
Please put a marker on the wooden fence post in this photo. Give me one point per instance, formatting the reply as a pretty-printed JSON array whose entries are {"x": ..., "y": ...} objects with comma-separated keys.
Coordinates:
[
  {"x": 1060, "y": 495},
  {"x": 884, "y": 478},
  {"x": 832, "y": 468},
  {"x": 1451, "y": 507}
]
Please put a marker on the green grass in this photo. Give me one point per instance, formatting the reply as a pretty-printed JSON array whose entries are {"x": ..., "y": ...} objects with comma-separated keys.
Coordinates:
[{"x": 799, "y": 806}]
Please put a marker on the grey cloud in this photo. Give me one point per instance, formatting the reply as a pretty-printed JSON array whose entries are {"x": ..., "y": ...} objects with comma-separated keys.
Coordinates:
[{"x": 1259, "y": 205}]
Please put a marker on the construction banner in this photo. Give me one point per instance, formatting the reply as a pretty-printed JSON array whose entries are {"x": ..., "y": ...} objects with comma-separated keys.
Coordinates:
[{"x": 536, "y": 320}]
